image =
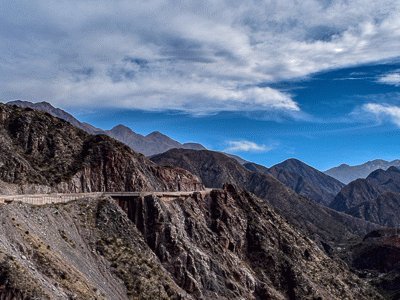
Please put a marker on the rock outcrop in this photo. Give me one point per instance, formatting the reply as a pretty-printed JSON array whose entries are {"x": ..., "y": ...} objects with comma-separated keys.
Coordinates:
[
  {"x": 86, "y": 249},
  {"x": 231, "y": 245},
  {"x": 41, "y": 153}
]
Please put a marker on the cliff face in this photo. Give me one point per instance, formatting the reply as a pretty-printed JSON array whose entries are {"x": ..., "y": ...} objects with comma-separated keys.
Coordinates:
[
  {"x": 86, "y": 249},
  {"x": 41, "y": 153},
  {"x": 230, "y": 245},
  {"x": 226, "y": 244}
]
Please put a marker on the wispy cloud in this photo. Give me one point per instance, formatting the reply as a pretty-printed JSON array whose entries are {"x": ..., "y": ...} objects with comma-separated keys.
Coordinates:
[
  {"x": 246, "y": 146},
  {"x": 390, "y": 78},
  {"x": 196, "y": 56},
  {"x": 384, "y": 111}
]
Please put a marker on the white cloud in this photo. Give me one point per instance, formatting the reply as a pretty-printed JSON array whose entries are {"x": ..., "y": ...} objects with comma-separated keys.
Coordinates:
[
  {"x": 246, "y": 146},
  {"x": 390, "y": 78},
  {"x": 384, "y": 112},
  {"x": 194, "y": 56}
]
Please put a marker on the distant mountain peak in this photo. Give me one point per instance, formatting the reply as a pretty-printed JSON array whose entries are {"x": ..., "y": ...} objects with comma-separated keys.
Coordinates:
[{"x": 347, "y": 174}]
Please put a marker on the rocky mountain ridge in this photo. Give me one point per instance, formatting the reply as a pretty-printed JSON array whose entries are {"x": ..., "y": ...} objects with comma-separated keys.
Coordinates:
[
  {"x": 319, "y": 222},
  {"x": 375, "y": 198},
  {"x": 347, "y": 174},
  {"x": 148, "y": 145},
  {"x": 41, "y": 153},
  {"x": 307, "y": 181}
]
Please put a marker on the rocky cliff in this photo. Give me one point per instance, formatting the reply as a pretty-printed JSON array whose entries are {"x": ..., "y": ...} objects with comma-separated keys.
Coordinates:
[
  {"x": 41, "y": 153},
  {"x": 226, "y": 244},
  {"x": 229, "y": 244},
  {"x": 87, "y": 249}
]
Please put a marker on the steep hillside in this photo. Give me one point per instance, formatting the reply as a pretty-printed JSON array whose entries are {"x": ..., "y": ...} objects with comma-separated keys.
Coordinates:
[
  {"x": 41, "y": 153},
  {"x": 377, "y": 258},
  {"x": 347, "y": 174},
  {"x": 306, "y": 181},
  {"x": 87, "y": 249},
  {"x": 232, "y": 245},
  {"x": 215, "y": 169},
  {"x": 384, "y": 210},
  {"x": 375, "y": 199}
]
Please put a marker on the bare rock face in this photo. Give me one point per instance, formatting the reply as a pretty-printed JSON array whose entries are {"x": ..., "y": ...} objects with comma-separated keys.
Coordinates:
[
  {"x": 230, "y": 245},
  {"x": 86, "y": 249},
  {"x": 41, "y": 153}
]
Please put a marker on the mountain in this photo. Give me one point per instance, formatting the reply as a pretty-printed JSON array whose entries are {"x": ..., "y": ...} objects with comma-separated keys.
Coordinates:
[
  {"x": 375, "y": 198},
  {"x": 41, "y": 153},
  {"x": 57, "y": 112},
  {"x": 346, "y": 173},
  {"x": 318, "y": 222},
  {"x": 148, "y": 145},
  {"x": 306, "y": 181},
  {"x": 151, "y": 144},
  {"x": 226, "y": 244}
]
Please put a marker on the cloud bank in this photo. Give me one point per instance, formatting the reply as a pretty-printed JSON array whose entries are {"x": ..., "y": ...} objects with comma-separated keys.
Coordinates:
[
  {"x": 391, "y": 79},
  {"x": 246, "y": 146},
  {"x": 198, "y": 57},
  {"x": 384, "y": 112}
]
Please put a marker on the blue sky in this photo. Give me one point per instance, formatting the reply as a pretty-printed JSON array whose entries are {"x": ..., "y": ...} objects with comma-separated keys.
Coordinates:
[{"x": 268, "y": 80}]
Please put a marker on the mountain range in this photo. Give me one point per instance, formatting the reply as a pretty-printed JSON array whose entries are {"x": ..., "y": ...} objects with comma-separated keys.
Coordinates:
[
  {"x": 347, "y": 174},
  {"x": 148, "y": 145},
  {"x": 41, "y": 153},
  {"x": 260, "y": 233},
  {"x": 376, "y": 198},
  {"x": 226, "y": 243},
  {"x": 327, "y": 226}
]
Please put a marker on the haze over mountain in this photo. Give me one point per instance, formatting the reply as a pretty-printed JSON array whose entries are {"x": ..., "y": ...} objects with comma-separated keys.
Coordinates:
[
  {"x": 346, "y": 173},
  {"x": 375, "y": 198}
]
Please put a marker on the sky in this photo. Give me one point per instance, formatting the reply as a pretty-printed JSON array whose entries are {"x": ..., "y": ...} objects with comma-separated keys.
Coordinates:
[{"x": 266, "y": 80}]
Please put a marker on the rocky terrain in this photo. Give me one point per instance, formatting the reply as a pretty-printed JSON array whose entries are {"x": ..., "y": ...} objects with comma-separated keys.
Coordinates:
[
  {"x": 41, "y": 153},
  {"x": 86, "y": 249},
  {"x": 224, "y": 245},
  {"x": 375, "y": 198},
  {"x": 347, "y": 174},
  {"x": 377, "y": 258},
  {"x": 319, "y": 222},
  {"x": 307, "y": 181}
]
